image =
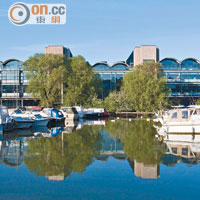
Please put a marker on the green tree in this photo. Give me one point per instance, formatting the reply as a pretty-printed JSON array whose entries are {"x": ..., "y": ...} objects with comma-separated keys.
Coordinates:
[
  {"x": 198, "y": 102},
  {"x": 54, "y": 78},
  {"x": 82, "y": 83},
  {"x": 95, "y": 102},
  {"x": 145, "y": 88},
  {"x": 46, "y": 75},
  {"x": 117, "y": 101}
]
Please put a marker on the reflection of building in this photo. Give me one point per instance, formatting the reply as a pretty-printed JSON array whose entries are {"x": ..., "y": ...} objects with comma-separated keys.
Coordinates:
[
  {"x": 59, "y": 50},
  {"x": 12, "y": 152},
  {"x": 146, "y": 171},
  {"x": 57, "y": 178},
  {"x": 110, "y": 147}
]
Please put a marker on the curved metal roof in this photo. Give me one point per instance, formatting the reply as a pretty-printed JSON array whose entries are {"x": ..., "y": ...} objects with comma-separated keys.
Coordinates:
[
  {"x": 101, "y": 63},
  {"x": 121, "y": 63},
  {"x": 194, "y": 59},
  {"x": 114, "y": 65},
  {"x": 10, "y": 60},
  {"x": 174, "y": 59}
]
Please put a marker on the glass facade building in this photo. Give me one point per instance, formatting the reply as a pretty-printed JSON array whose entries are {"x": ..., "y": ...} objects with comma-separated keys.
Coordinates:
[
  {"x": 111, "y": 75},
  {"x": 13, "y": 84},
  {"x": 183, "y": 78}
]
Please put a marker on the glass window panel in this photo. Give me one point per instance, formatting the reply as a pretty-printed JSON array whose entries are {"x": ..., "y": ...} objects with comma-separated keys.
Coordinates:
[
  {"x": 174, "y": 115},
  {"x": 101, "y": 67},
  {"x": 173, "y": 76},
  {"x": 11, "y": 88},
  {"x": 184, "y": 114},
  {"x": 190, "y": 76},
  {"x": 13, "y": 65},
  {"x": 106, "y": 76},
  {"x": 120, "y": 67},
  {"x": 174, "y": 150},
  {"x": 190, "y": 64},
  {"x": 170, "y": 64},
  {"x": 184, "y": 151},
  {"x": 119, "y": 76}
]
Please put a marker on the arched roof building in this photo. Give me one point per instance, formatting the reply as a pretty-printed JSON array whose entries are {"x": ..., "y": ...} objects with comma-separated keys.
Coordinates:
[{"x": 104, "y": 66}]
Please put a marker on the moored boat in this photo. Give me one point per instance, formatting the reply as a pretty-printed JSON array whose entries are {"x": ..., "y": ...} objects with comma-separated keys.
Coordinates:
[
  {"x": 186, "y": 120},
  {"x": 22, "y": 120}
]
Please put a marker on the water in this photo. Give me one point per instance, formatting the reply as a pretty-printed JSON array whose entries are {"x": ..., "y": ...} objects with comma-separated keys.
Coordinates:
[{"x": 109, "y": 160}]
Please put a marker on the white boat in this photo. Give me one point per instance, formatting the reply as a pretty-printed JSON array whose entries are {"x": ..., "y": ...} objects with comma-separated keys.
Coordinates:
[
  {"x": 70, "y": 113},
  {"x": 186, "y": 120},
  {"x": 93, "y": 113},
  {"x": 81, "y": 112},
  {"x": 52, "y": 113},
  {"x": 22, "y": 120}
]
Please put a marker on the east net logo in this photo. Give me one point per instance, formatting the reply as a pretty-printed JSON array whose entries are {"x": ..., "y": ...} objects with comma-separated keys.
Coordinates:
[{"x": 21, "y": 14}]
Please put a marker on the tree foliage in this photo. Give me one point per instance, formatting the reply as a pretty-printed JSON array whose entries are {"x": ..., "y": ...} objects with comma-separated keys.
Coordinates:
[
  {"x": 55, "y": 156},
  {"x": 117, "y": 101},
  {"x": 145, "y": 88},
  {"x": 53, "y": 78},
  {"x": 45, "y": 76},
  {"x": 138, "y": 139},
  {"x": 82, "y": 84},
  {"x": 198, "y": 102}
]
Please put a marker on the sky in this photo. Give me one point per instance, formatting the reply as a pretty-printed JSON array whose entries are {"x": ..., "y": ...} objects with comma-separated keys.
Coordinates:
[{"x": 108, "y": 30}]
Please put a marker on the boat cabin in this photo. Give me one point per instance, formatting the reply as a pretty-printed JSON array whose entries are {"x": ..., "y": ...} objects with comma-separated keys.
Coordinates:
[{"x": 183, "y": 115}]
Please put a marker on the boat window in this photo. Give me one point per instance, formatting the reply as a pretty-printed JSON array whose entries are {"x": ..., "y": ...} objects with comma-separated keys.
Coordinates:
[
  {"x": 197, "y": 112},
  {"x": 174, "y": 115},
  {"x": 38, "y": 116},
  {"x": 184, "y": 151},
  {"x": 68, "y": 110},
  {"x": 18, "y": 111},
  {"x": 174, "y": 150},
  {"x": 191, "y": 111},
  {"x": 64, "y": 109},
  {"x": 60, "y": 114},
  {"x": 74, "y": 110},
  {"x": 184, "y": 114}
]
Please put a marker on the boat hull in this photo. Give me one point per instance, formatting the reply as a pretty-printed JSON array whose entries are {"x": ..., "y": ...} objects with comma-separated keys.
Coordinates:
[
  {"x": 23, "y": 125},
  {"x": 181, "y": 128},
  {"x": 41, "y": 122}
]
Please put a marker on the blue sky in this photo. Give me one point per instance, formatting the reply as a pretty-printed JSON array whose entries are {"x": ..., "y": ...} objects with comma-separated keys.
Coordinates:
[{"x": 108, "y": 30}]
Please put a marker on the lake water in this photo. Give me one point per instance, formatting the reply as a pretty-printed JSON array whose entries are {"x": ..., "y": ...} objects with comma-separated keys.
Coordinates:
[{"x": 98, "y": 160}]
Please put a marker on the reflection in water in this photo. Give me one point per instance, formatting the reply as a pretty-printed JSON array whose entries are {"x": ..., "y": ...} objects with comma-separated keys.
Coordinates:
[
  {"x": 144, "y": 152},
  {"x": 145, "y": 171},
  {"x": 12, "y": 151},
  {"x": 57, "y": 157},
  {"x": 181, "y": 148},
  {"x": 56, "y": 153}
]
